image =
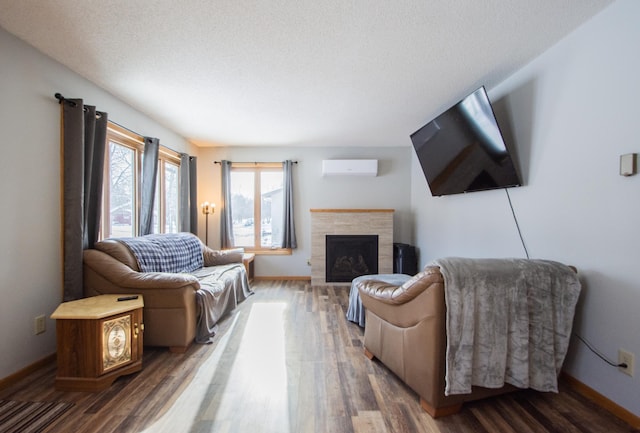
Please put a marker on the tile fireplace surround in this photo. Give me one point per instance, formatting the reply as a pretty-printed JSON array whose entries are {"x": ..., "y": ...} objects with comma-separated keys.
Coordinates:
[{"x": 349, "y": 222}]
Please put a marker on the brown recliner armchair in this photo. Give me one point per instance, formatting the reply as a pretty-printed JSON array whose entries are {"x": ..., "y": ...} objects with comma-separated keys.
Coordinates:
[{"x": 406, "y": 330}]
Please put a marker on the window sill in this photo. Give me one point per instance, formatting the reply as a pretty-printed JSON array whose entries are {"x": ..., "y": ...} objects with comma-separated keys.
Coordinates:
[{"x": 269, "y": 252}]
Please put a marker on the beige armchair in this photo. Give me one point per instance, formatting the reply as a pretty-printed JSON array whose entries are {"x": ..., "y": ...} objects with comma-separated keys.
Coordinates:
[{"x": 406, "y": 330}]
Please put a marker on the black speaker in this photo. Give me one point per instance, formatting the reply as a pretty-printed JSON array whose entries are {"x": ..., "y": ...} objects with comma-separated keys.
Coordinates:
[{"x": 405, "y": 260}]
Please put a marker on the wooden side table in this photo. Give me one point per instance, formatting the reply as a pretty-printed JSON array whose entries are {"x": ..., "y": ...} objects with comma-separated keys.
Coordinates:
[
  {"x": 98, "y": 340},
  {"x": 247, "y": 261}
]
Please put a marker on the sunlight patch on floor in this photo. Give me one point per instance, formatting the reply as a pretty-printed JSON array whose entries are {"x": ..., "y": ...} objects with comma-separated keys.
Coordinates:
[
  {"x": 258, "y": 377},
  {"x": 261, "y": 357}
]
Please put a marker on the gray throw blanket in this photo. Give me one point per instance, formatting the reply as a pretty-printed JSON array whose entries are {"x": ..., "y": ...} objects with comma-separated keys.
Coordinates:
[
  {"x": 356, "y": 312},
  {"x": 508, "y": 321},
  {"x": 222, "y": 288}
]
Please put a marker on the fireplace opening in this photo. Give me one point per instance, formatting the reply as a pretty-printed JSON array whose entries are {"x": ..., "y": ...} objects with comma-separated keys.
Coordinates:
[{"x": 349, "y": 256}]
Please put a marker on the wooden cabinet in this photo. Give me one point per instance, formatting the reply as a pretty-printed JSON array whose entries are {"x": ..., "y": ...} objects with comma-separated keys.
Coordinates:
[
  {"x": 247, "y": 261},
  {"x": 98, "y": 340}
]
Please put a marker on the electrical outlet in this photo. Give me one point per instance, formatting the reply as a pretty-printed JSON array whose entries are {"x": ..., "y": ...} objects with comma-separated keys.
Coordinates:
[
  {"x": 628, "y": 358},
  {"x": 39, "y": 325}
]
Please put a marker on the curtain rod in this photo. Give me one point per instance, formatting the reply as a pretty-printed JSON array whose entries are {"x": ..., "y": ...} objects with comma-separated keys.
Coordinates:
[
  {"x": 251, "y": 162},
  {"x": 72, "y": 103},
  {"x": 144, "y": 136},
  {"x": 62, "y": 99}
]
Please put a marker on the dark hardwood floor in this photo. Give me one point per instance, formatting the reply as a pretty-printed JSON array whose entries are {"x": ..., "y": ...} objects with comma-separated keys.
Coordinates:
[{"x": 287, "y": 360}]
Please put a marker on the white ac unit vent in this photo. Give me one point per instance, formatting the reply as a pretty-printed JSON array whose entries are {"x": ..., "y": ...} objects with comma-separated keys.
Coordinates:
[{"x": 350, "y": 167}]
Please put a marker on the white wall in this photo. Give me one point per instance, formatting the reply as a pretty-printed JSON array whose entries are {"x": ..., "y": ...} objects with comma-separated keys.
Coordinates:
[
  {"x": 574, "y": 111},
  {"x": 389, "y": 190},
  {"x": 30, "y": 222}
]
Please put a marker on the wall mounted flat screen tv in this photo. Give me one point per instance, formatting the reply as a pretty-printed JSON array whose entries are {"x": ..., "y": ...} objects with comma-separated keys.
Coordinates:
[{"x": 462, "y": 150}]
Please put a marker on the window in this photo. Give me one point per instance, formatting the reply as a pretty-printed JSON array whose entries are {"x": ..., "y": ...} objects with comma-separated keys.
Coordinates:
[
  {"x": 122, "y": 182},
  {"x": 166, "y": 202},
  {"x": 121, "y": 196},
  {"x": 256, "y": 206}
]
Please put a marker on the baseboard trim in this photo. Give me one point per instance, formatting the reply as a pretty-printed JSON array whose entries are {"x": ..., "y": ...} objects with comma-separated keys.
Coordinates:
[
  {"x": 21, "y": 374},
  {"x": 602, "y": 401},
  {"x": 293, "y": 278}
]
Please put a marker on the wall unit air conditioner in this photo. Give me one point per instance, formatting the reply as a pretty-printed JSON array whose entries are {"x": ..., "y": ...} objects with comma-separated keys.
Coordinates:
[{"x": 350, "y": 167}]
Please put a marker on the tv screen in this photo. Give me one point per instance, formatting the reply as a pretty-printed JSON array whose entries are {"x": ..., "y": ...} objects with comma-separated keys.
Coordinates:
[{"x": 462, "y": 150}]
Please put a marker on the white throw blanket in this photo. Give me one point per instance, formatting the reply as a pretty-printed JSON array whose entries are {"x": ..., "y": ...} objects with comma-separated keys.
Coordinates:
[{"x": 508, "y": 321}]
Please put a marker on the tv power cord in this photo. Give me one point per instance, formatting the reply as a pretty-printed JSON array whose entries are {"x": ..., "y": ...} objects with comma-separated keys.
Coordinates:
[
  {"x": 586, "y": 343},
  {"x": 526, "y": 252}
]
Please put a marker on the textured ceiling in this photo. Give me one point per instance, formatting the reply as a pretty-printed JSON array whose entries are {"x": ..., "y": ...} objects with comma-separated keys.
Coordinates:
[{"x": 293, "y": 72}]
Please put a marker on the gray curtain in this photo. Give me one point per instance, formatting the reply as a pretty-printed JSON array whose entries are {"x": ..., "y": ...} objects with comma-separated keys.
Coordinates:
[
  {"x": 193, "y": 194},
  {"x": 288, "y": 224},
  {"x": 149, "y": 176},
  {"x": 226, "y": 220},
  {"x": 96, "y": 137},
  {"x": 188, "y": 194},
  {"x": 84, "y": 132}
]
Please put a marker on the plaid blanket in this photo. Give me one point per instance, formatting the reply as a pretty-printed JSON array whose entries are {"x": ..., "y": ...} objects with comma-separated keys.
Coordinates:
[{"x": 167, "y": 252}]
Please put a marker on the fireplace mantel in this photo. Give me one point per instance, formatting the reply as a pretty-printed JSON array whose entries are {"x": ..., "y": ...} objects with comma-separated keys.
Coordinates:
[
  {"x": 351, "y": 210},
  {"x": 350, "y": 222}
]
